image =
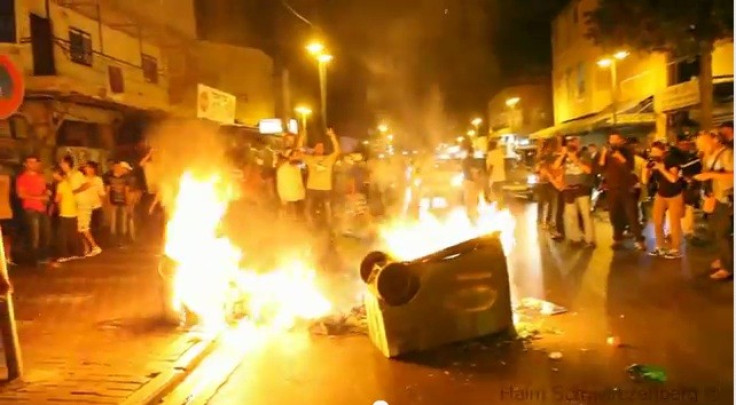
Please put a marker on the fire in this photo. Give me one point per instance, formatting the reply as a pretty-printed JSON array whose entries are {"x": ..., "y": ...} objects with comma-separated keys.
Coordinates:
[
  {"x": 208, "y": 266},
  {"x": 412, "y": 239}
]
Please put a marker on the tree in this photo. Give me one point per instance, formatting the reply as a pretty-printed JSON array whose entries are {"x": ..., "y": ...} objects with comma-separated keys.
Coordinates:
[{"x": 679, "y": 27}]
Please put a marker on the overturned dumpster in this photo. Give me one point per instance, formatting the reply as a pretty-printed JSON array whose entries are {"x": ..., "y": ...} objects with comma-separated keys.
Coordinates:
[{"x": 458, "y": 293}]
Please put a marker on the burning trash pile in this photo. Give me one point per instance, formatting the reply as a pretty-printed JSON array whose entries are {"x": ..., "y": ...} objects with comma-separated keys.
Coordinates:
[{"x": 213, "y": 285}]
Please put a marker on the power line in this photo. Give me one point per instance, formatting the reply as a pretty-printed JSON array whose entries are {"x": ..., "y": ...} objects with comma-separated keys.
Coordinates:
[{"x": 296, "y": 14}]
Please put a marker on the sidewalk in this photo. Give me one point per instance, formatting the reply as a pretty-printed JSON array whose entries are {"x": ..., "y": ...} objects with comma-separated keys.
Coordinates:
[{"x": 89, "y": 331}]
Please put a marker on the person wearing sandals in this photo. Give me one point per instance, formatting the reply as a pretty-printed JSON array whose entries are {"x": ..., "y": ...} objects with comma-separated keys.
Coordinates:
[
  {"x": 664, "y": 170},
  {"x": 717, "y": 176}
]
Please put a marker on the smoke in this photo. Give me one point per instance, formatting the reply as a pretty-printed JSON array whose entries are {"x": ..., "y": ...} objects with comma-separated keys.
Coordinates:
[{"x": 183, "y": 146}]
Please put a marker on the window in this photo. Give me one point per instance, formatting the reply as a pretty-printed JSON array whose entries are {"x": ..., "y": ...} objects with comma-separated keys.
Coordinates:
[
  {"x": 581, "y": 80},
  {"x": 683, "y": 70},
  {"x": 7, "y": 21},
  {"x": 150, "y": 68},
  {"x": 80, "y": 46},
  {"x": 115, "y": 76}
]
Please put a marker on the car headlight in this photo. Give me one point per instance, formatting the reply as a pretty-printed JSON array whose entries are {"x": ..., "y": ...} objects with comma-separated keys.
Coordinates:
[
  {"x": 532, "y": 179},
  {"x": 457, "y": 180}
]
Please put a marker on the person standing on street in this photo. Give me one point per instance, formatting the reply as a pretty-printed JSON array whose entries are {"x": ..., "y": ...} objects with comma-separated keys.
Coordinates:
[
  {"x": 319, "y": 179},
  {"x": 550, "y": 186},
  {"x": 472, "y": 177},
  {"x": 578, "y": 170},
  {"x": 89, "y": 204},
  {"x": 34, "y": 194},
  {"x": 117, "y": 191},
  {"x": 290, "y": 184},
  {"x": 67, "y": 232},
  {"x": 726, "y": 133},
  {"x": 80, "y": 186},
  {"x": 664, "y": 170},
  {"x": 496, "y": 169},
  {"x": 717, "y": 176},
  {"x": 617, "y": 163}
]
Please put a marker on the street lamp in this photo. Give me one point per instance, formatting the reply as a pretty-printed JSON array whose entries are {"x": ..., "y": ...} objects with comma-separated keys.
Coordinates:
[
  {"x": 303, "y": 112},
  {"x": 318, "y": 51},
  {"x": 383, "y": 128},
  {"x": 512, "y": 102},
  {"x": 610, "y": 62},
  {"x": 471, "y": 133}
]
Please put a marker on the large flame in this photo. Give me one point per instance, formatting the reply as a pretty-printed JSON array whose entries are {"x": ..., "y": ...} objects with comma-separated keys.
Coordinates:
[
  {"x": 409, "y": 239},
  {"x": 208, "y": 265}
]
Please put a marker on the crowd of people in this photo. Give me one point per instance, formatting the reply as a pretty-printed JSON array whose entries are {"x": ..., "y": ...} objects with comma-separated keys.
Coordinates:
[
  {"x": 691, "y": 175},
  {"x": 66, "y": 219}
]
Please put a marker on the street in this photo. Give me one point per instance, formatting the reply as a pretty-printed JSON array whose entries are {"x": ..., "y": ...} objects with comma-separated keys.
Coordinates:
[{"x": 664, "y": 313}]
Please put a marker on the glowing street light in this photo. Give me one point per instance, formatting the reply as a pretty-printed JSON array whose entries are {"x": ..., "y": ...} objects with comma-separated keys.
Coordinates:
[
  {"x": 476, "y": 122},
  {"x": 318, "y": 50},
  {"x": 383, "y": 128},
  {"x": 315, "y": 48},
  {"x": 303, "y": 112},
  {"x": 390, "y": 137},
  {"x": 460, "y": 139},
  {"x": 471, "y": 133},
  {"x": 610, "y": 62},
  {"x": 513, "y": 101}
]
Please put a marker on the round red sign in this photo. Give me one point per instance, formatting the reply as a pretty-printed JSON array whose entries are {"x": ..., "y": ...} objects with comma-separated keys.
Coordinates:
[{"x": 11, "y": 87}]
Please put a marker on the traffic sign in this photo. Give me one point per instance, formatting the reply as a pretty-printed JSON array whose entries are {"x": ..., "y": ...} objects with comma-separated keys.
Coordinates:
[{"x": 11, "y": 87}]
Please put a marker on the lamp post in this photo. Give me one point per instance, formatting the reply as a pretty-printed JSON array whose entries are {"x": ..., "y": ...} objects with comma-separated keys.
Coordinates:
[
  {"x": 610, "y": 62},
  {"x": 476, "y": 124},
  {"x": 318, "y": 51},
  {"x": 511, "y": 103},
  {"x": 303, "y": 112}
]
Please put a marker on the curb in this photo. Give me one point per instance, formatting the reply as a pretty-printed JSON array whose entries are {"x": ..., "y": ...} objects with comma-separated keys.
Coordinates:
[{"x": 153, "y": 391}]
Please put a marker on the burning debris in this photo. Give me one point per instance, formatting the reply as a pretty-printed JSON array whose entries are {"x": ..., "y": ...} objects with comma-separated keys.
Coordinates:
[{"x": 211, "y": 285}]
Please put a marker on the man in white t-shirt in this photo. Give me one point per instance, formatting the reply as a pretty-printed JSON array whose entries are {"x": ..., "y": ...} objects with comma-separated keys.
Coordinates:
[
  {"x": 496, "y": 169},
  {"x": 290, "y": 184},
  {"x": 319, "y": 178},
  {"x": 79, "y": 185}
]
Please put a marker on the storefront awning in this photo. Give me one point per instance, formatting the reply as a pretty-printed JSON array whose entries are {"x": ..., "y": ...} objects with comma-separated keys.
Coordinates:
[{"x": 631, "y": 113}]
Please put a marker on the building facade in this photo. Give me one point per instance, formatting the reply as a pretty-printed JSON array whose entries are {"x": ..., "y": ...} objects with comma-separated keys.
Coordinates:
[
  {"x": 592, "y": 98},
  {"x": 86, "y": 67}
]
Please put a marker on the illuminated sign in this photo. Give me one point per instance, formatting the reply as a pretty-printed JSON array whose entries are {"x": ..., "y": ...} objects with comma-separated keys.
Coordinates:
[{"x": 273, "y": 126}]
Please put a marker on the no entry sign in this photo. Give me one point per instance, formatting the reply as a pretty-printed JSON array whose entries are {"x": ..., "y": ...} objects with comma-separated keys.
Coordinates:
[{"x": 11, "y": 87}]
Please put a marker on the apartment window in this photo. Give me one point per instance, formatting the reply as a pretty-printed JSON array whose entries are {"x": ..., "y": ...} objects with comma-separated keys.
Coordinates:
[
  {"x": 149, "y": 64},
  {"x": 80, "y": 46},
  {"x": 683, "y": 70},
  {"x": 115, "y": 75},
  {"x": 7, "y": 21},
  {"x": 581, "y": 80}
]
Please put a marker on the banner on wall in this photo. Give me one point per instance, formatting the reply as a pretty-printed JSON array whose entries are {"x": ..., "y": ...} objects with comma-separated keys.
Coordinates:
[{"x": 215, "y": 105}]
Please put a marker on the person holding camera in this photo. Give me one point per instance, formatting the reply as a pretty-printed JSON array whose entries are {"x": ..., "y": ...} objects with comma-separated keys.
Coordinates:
[
  {"x": 717, "y": 176},
  {"x": 617, "y": 163},
  {"x": 663, "y": 169},
  {"x": 578, "y": 181}
]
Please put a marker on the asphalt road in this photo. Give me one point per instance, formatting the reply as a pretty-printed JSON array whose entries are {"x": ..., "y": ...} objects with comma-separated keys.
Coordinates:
[{"x": 664, "y": 313}]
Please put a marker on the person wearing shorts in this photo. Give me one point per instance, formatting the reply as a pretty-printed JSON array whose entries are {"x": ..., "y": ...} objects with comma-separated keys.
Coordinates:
[{"x": 88, "y": 202}]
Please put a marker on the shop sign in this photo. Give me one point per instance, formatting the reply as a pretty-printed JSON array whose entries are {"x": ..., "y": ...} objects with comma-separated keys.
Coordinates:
[{"x": 215, "y": 105}]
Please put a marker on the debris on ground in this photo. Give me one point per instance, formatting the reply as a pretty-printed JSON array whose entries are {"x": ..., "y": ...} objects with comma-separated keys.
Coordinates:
[
  {"x": 353, "y": 322},
  {"x": 641, "y": 372},
  {"x": 555, "y": 355},
  {"x": 531, "y": 306}
]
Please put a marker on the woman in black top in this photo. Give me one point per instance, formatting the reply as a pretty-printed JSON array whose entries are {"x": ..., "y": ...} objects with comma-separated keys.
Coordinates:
[{"x": 664, "y": 170}]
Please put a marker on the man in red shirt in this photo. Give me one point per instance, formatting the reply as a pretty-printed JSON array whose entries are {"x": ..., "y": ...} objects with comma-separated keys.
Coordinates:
[{"x": 34, "y": 194}]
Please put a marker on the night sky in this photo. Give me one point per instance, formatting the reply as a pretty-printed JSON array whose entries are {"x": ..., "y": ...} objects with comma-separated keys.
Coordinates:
[{"x": 467, "y": 49}]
